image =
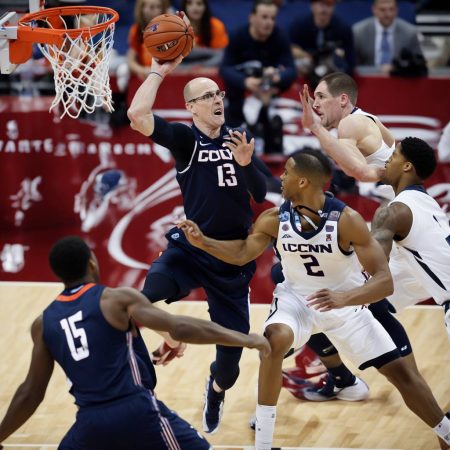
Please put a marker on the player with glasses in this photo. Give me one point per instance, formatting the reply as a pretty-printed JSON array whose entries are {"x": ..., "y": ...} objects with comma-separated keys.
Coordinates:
[
  {"x": 208, "y": 96},
  {"x": 217, "y": 174}
]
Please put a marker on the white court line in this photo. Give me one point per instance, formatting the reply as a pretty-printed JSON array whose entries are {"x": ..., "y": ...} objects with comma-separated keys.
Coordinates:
[{"x": 240, "y": 447}]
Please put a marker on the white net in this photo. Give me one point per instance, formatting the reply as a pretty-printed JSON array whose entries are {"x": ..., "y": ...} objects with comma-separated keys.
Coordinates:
[{"x": 80, "y": 64}]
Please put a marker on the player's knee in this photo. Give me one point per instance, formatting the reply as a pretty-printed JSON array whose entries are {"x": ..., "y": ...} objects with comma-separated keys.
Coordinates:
[
  {"x": 280, "y": 338},
  {"x": 159, "y": 287}
]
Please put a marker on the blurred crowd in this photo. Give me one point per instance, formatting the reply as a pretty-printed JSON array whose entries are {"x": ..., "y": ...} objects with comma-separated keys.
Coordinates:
[{"x": 260, "y": 47}]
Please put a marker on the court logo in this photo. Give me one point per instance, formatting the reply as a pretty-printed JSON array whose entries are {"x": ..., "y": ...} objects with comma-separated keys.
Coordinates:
[{"x": 27, "y": 195}]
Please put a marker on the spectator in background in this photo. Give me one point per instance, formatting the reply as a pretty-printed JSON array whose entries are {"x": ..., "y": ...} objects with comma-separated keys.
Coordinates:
[
  {"x": 139, "y": 60},
  {"x": 381, "y": 39},
  {"x": 211, "y": 36},
  {"x": 258, "y": 60},
  {"x": 321, "y": 42}
]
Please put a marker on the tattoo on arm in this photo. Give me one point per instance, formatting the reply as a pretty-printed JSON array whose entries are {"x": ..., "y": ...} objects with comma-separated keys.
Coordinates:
[{"x": 383, "y": 228}]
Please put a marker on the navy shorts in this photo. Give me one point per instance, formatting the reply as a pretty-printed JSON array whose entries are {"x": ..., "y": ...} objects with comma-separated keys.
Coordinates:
[
  {"x": 138, "y": 422},
  {"x": 226, "y": 285}
]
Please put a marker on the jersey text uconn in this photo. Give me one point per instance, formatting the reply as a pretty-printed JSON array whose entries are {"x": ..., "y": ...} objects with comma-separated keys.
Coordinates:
[
  {"x": 214, "y": 155},
  {"x": 308, "y": 248}
]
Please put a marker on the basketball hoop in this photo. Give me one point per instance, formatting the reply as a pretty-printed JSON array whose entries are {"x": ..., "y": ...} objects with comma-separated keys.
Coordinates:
[{"x": 78, "y": 42}]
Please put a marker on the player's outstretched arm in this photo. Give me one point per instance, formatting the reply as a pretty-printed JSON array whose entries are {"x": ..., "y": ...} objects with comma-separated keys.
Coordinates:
[
  {"x": 183, "y": 328},
  {"x": 140, "y": 111},
  {"x": 343, "y": 149},
  {"x": 390, "y": 221},
  {"x": 240, "y": 251},
  {"x": 31, "y": 392},
  {"x": 353, "y": 232}
]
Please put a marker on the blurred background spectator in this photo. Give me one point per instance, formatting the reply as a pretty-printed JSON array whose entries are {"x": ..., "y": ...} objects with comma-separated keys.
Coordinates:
[
  {"x": 258, "y": 60},
  {"x": 211, "y": 36},
  {"x": 321, "y": 42},
  {"x": 385, "y": 38},
  {"x": 139, "y": 60}
]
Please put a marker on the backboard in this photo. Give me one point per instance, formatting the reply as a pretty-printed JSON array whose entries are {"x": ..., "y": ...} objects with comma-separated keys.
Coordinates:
[{"x": 10, "y": 12}]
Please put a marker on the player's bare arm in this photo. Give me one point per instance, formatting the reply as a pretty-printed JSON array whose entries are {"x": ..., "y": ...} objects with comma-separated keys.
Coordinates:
[
  {"x": 187, "y": 329},
  {"x": 353, "y": 232},
  {"x": 343, "y": 149},
  {"x": 31, "y": 392},
  {"x": 238, "y": 252},
  {"x": 389, "y": 221},
  {"x": 241, "y": 148},
  {"x": 140, "y": 111}
]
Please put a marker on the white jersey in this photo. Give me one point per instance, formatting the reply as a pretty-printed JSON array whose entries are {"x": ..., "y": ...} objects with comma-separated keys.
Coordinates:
[
  {"x": 313, "y": 260},
  {"x": 383, "y": 153},
  {"x": 422, "y": 259}
]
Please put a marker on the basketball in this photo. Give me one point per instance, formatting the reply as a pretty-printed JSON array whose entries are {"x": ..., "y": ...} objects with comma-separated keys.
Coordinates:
[{"x": 167, "y": 36}]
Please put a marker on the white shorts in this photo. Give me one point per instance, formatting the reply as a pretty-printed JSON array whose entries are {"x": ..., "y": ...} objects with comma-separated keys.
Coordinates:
[
  {"x": 353, "y": 330},
  {"x": 408, "y": 283}
]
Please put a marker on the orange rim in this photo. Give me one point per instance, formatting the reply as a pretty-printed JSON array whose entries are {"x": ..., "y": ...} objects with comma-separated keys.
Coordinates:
[
  {"x": 55, "y": 36},
  {"x": 21, "y": 48}
]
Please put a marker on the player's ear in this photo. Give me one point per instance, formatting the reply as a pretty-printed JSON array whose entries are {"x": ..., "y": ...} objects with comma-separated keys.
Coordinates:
[
  {"x": 343, "y": 100},
  {"x": 303, "y": 182},
  {"x": 407, "y": 167}
]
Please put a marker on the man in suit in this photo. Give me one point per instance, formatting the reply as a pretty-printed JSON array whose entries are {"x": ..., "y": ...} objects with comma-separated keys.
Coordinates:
[{"x": 380, "y": 39}]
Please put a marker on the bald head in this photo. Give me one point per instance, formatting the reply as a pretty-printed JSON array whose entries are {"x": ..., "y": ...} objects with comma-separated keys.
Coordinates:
[{"x": 197, "y": 87}]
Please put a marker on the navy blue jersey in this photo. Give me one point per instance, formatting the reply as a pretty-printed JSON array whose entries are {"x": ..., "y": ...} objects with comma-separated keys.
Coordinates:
[
  {"x": 215, "y": 188},
  {"x": 98, "y": 359}
]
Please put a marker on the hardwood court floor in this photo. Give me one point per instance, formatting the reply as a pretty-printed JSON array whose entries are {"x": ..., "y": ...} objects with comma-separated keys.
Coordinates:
[{"x": 381, "y": 422}]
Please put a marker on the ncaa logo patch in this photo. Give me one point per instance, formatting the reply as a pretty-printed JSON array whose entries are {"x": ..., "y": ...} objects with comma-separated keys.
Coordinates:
[
  {"x": 154, "y": 27},
  {"x": 284, "y": 216}
]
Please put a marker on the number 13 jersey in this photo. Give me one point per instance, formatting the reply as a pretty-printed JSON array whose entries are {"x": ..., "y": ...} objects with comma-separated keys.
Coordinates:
[{"x": 313, "y": 260}]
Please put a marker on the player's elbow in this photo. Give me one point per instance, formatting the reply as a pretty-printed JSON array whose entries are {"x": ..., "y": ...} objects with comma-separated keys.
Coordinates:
[
  {"x": 388, "y": 284},
  {"x": 183, "y": 330},
  {"x": 139, "y": 121},
  {"x": 363, "y": 173}
]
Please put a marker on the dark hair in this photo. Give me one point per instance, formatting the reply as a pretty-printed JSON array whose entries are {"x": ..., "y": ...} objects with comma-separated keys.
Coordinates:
[
  {"x": 69, "y": 258},
  {"x": 340, "y": 83},
  {"x": 420, "y": 155},
  {"x": 256, "y": 3},
  {"x": 314, "y": 163},
  {"x": 205, "y": 22}
]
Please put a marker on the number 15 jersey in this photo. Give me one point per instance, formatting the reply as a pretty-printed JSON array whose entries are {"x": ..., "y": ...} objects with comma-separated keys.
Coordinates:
[{"x": 313, "y": 260}]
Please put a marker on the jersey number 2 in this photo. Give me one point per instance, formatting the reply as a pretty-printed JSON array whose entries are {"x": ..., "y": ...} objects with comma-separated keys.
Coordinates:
[
  {"x": 226, "y": 175},
  {"x": 72, "y": 333},
  {"x": 309, "y": 266}
]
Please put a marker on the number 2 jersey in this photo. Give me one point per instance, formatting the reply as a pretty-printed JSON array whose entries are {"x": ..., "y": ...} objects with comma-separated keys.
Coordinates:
[
  {"x": 102, "y": 363},
  {"x": 313, "y": 260}
]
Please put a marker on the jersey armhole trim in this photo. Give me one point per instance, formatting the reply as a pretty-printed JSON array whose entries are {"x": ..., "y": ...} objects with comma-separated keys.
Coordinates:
[{"x": 190, "y": 161}]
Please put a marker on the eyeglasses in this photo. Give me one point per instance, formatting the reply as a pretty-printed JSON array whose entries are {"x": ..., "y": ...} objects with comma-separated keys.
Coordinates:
[{"x": 208, "y": 96}]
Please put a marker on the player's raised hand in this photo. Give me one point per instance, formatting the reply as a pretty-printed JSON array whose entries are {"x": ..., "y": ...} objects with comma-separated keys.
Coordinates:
[
  {"x": 192, "y": 232},
  {"x": 242, "y": 149},
  {"x": 310, "y": 119},
  {"x": 326, "y": 300},
  {"x": 164, "y": 68}
]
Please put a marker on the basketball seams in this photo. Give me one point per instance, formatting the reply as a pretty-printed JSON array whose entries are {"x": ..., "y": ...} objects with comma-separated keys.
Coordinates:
[{"x": 172, "y": 30}]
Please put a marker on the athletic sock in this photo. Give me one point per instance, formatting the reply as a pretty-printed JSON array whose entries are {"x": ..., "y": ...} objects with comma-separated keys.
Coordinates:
[
  {"x": 264, "y": 426},
  {"x": 442, "y": 429},
  {"x": 342, "y": 376}
]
